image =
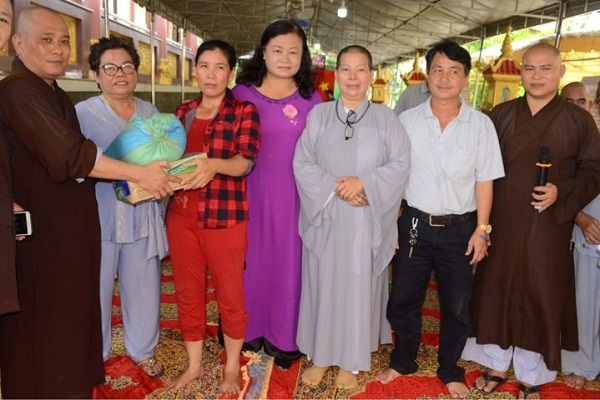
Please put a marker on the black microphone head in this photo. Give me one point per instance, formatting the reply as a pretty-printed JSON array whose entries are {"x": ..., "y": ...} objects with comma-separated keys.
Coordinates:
[{"x": 544, "y": 156}]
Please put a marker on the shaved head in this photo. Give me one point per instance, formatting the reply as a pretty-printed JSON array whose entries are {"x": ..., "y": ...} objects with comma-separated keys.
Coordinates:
[
  {"x": 546, "y": 47},
  {"x": 574, "y": 85},
  {"x": 541, "y": 72},
  {"x": 576, "y": 93},
  {"x": 28, "y": 16},
  {"x": 42, "y": 42}
]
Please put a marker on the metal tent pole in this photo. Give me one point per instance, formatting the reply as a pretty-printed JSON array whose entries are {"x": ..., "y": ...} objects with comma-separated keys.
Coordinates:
[
  {"x": 561, "y": 15},
  {"x": 478, "y": 75},
  {"x": 152, "y": 55},
  {"x": 106, "y": 14},
  {"x": 183, "y": 60}
]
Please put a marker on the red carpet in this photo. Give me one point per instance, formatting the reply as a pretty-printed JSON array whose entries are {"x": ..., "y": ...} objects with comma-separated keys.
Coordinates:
[{"x": 262, "y": 380}]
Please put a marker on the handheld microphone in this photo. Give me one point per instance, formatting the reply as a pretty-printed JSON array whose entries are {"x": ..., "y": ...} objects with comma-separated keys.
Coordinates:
[{"x": 543, "y": 165}]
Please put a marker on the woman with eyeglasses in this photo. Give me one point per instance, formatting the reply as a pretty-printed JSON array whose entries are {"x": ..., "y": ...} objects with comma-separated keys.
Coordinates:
[
  {"x": 351, "y": 164},
  {"x": 133, "y": 237}
]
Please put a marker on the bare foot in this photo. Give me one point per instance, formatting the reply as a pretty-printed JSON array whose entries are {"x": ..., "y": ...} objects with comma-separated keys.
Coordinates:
[
  {"x": 231, "y": 382},
  {"x": 345, "y": 380},
  {"x": 184, "y": 378},
  {"x": 575, "y": 381},
  {"x": 457, "y": 390},
  {"x": 314, "y": 375},
  {"x": 387, "y": 375}
]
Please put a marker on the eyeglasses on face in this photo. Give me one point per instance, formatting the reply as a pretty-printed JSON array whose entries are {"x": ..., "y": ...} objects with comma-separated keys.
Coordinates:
[
  {"x": 112, "y": 69},
  {"x": 349, "y": 129}
]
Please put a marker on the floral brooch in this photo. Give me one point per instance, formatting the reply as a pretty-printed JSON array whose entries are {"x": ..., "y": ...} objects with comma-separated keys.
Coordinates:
[{"x": 290, "y": 111}]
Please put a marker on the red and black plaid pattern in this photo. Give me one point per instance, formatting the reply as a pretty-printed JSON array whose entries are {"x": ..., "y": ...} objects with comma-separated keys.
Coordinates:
[{"x": 234, "y": 130}]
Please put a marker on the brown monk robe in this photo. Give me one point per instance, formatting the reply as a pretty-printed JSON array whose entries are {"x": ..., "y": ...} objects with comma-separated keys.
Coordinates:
[
  {"x": 53, "y": 347},
  {"x": 8, "y": 284},
  {"x": 524, "y": 293}
]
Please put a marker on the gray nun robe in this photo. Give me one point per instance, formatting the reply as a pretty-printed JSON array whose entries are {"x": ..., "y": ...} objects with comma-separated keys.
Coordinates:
[{"x": 346, "y": 250}]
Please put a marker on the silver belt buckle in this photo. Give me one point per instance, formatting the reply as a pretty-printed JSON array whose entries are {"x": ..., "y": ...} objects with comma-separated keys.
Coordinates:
[{"x": 432, "y": 224}]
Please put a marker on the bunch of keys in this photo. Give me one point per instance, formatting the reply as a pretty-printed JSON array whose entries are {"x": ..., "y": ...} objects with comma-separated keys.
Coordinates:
[{"x": 412, "y": 239}]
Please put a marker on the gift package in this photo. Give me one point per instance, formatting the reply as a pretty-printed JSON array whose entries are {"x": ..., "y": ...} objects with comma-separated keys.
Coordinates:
[{"x": 132, "y": 193}]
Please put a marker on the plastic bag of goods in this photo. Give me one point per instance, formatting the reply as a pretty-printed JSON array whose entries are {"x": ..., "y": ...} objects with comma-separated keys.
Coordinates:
[{"x": 159, "y": 137}]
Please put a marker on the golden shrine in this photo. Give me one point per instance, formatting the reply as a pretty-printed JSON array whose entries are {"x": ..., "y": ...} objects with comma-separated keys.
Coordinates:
[
  {"x": 416, "y": 75},
  {"x": 380, "y": 92},
  {"x": 502, "y": 77}
]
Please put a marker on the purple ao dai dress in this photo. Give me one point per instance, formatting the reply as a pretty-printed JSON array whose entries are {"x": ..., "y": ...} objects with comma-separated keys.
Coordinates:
[{"x": 273, "y": 264}]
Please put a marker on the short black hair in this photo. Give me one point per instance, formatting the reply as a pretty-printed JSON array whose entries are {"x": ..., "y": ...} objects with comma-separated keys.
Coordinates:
[
  {"x": 215, "y": 44},
  {"x": 111, "y": 43},
  {"x": 453, "y": 51},
  {"x": 354, "y": 48}
]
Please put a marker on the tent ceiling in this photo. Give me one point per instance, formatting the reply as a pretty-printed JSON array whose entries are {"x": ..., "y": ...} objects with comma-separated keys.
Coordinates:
[{"x": 390, "y": 29}]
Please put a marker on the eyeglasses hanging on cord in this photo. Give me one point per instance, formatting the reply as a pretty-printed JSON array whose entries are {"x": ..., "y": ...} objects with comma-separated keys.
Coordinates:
[{"x": 351, "y": 119}]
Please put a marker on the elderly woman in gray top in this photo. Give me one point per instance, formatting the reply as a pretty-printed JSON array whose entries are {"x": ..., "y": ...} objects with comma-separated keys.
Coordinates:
[
  {"x": 351, "y": 165},
  {"x": 133, "y": 237}
]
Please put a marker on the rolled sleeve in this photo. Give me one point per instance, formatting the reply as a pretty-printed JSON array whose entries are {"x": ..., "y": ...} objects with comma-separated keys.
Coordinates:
[{"x": 249, "y": 132}]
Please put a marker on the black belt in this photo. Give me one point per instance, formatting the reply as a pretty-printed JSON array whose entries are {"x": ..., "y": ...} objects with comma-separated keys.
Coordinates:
[{"x": 440, "y": 220}]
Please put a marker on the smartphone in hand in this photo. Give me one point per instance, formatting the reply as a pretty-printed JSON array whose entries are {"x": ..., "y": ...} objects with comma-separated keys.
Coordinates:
[{"x": 22, "y": 223}]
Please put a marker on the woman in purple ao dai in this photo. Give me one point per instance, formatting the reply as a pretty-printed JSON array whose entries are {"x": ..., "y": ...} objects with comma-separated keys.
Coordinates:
[{"x": 278, "y": 81}]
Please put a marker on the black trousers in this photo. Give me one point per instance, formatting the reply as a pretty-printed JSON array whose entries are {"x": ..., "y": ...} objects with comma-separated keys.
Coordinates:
[{"x": 441, "y": 250}]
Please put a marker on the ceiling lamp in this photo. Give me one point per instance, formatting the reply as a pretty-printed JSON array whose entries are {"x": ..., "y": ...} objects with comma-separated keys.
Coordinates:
[
  {"x": 342, "y": 11},
  {"x": 317, "y": 46}
]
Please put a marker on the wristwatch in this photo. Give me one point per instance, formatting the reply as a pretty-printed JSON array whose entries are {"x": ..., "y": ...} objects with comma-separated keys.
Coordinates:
[{"x": 487, "y": 228}]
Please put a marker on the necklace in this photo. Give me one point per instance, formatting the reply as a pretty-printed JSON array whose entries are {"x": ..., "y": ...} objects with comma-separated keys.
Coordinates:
[
  {"x": 109, "y": 102},
  {"x": 351, "y": 113},
  {"x": 122, "y": 113},
  {"x": 448, "y": 116}
]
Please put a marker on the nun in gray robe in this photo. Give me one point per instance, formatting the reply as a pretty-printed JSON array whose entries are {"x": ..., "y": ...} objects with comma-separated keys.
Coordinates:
[{"x": 347, "y": 249}]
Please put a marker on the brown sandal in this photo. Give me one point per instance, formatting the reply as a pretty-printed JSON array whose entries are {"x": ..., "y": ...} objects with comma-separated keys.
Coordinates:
[{"x": 151, "y": 367}]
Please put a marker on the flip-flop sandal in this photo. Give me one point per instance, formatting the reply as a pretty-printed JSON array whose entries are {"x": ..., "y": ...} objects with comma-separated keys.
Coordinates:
[
  {"x": 487, "y": 378},
  {"x": 150, "y": 365},
  {"x": 527, "y": 390}
]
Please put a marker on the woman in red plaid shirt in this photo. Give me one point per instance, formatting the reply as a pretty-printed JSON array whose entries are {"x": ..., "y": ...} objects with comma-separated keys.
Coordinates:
[{"x": 206, "y": 222}]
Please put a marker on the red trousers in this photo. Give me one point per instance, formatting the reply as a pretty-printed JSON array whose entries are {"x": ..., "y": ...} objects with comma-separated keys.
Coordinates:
[{"x": 222, "y": 252}]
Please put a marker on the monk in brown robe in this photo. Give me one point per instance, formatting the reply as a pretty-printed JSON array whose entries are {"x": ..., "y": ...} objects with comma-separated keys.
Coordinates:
[
  {"x": 53, "y": 347},
  {"x": 523, "y": 305},
  {"x": 8, "y": 283}
]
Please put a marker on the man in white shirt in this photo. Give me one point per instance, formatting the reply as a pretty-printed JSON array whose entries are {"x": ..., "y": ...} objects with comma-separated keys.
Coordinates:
[{"x": 444, "y": 227}]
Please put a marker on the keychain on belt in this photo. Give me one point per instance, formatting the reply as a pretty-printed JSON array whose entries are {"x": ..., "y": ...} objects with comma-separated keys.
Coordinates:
[{"x": 412, "y": 236}]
